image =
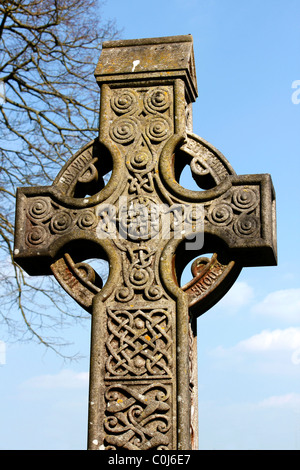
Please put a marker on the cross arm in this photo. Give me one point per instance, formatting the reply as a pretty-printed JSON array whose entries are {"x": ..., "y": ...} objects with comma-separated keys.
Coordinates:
[
  {"x": 45, "y": 224},
  {"x": 244, "y": 218},
  {"x": 240, "y": 210},
  {"x": 52, "y": 231},
  {"x": 239, "y": 222}
]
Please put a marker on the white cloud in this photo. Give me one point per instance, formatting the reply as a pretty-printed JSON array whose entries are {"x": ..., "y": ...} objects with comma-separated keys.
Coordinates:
[
  {"x": 238, "y": 296},
  {"x": 290, "y": 400},
  {"x": 276, "y": 351},
  {"x": 276, "y": 340},
  {"x": 65, "y": 379},
  {"x": 283, "y": 304}
]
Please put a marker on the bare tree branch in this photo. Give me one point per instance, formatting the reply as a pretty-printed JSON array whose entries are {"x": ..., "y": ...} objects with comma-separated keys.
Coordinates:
[{"x": 48, "y": 54}]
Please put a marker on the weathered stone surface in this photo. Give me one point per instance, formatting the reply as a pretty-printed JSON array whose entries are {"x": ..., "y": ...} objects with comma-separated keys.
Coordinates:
[{"x": 120, "y": 199}]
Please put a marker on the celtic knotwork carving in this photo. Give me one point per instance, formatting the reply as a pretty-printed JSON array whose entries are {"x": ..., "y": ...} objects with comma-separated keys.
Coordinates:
[
  {"x": 140, "y": 164},
  {"x": 141, "y": 273},
  {"x": 138, "y": 218},
  {"x": 139, "y": 276},
  {"x": 137, "y": 418},
  {"x": 139, "y": 182},
  {"x": 139, "y": 343}
]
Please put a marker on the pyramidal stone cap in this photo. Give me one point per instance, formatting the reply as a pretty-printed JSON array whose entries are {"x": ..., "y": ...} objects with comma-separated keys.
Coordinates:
[{"x": 145, "y": 59}]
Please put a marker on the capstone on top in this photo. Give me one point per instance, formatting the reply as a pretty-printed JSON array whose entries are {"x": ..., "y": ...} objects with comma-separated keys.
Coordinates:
[{"x": 155, "y": 58}]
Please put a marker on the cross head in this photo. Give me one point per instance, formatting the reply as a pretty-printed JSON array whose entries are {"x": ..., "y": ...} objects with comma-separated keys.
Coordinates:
[{"x": 120, "y": 198}]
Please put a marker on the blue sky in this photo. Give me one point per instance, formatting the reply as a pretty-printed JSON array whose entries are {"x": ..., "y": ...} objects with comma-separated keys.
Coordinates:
[{"x": 247, "y": 63}]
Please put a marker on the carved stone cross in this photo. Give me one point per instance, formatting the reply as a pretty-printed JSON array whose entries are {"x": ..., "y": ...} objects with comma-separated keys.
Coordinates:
[{"x": 143, "y": 381}]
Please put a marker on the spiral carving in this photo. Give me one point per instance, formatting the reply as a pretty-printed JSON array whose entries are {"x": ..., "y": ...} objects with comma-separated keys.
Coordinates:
[
  {"x": 37, "y": 235},
  {"x": 39, "y": 209},
  {"x": 86, "y": 220},
  {"x": 153, "y": 292},
  {"x": 158, "y": 129},
  {"x": 246, "y": 225},
  {"x": 124, "y": 294},
  {"x": 140, "y": 160},
  {"x": 125, "y": 102},
  {"x": 123, "y": 130},
  {"x": 157, "y": 100},
  {"x": 244, "y": 199},
  {"x": 139, "y": 276},
  {"x": 221, "y": 214},
  {"x": 60, "y": 222}
]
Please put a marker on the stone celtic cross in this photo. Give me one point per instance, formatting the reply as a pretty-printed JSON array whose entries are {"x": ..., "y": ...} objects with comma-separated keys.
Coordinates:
[{"x": 120, "y": 199}]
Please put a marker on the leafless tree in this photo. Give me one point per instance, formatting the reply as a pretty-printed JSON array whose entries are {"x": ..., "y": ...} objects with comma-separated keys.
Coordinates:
[{"x": 49, "y": 106}]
